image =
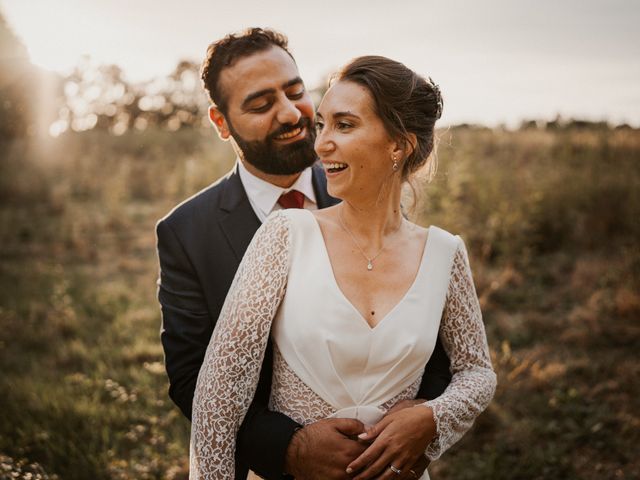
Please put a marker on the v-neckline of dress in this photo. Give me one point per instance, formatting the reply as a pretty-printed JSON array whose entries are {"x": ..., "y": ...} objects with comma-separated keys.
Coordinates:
[{"x": 335, "y": 284}]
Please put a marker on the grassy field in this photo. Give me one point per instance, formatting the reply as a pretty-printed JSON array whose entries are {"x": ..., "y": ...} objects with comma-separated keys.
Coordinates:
[{"x": 551, "y": 219}]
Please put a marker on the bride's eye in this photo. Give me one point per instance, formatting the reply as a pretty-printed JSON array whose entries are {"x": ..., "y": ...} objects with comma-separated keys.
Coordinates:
[
  {"x": 343, "y": 125},
  {"x": 319, "y": 126}
]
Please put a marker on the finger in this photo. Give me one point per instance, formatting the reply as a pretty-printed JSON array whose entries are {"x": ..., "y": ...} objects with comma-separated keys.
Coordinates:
[
  {"x": 349, "y": 449},
  {"x": 372, "y": 432},
  {"x": 401, "y": 461},
  {"x": 370, "y": 455},
  {"x": 398, "y": 406},
  {"x": 347, "y": 426},
  {"x": 405, "y": 404},
  {"x": 420, "y": 465},
  {"x": 408, "y": 473},
  {"x": 413, "y": 473},
  {"x": 400, "y": 464},
  {"x": 380, "y": 467}
]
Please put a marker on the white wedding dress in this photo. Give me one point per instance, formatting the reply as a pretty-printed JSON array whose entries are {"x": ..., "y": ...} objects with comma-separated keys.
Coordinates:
[{"x": 328, "y": 361}]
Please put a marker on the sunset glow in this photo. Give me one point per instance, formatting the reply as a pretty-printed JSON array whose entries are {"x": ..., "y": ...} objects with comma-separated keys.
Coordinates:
[{"x": 498, "y": 62}]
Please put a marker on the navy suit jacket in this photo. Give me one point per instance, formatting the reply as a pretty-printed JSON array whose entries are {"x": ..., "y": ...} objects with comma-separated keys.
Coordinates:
[{"x": 200, "y": 245}]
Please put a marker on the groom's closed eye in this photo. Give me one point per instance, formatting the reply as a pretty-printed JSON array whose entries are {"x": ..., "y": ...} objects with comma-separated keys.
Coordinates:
[
  {"x": 296, "y": 93},
  {"x": 260, "y": 107},
  {"x": 262, "y": 100}
]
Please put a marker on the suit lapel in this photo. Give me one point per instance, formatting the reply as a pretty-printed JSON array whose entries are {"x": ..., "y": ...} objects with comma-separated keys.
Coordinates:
[
  {"x": 238, "y": 221},
  {"x": 319, "y": 182}
]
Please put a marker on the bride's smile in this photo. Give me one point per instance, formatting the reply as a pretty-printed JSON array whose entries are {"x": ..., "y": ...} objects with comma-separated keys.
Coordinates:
[{"x": 353, "y": 144}]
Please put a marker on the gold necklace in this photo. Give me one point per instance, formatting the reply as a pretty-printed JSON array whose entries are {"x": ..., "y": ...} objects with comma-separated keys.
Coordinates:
[{"x": 368, "y": 259}]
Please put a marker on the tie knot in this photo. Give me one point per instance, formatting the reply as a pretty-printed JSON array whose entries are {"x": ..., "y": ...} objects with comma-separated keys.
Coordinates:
[{"x": 292, "y": 199}]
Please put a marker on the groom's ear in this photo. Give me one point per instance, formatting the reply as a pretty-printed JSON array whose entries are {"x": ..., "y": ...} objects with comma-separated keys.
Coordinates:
[{"x": 218, "y": 120}]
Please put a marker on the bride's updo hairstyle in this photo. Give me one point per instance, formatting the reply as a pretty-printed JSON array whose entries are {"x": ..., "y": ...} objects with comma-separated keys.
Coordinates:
[{"x": 405, "y": 102}]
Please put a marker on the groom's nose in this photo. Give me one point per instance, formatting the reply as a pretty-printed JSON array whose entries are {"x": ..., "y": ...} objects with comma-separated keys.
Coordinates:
[{"x": 288, "y": 112}]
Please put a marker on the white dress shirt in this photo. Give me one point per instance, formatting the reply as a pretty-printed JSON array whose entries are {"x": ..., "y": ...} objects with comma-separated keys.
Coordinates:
[{"x": 263, "y": 196}]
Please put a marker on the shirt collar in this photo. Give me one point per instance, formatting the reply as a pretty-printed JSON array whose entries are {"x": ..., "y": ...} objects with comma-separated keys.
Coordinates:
[{"x": 265, "y": 195}]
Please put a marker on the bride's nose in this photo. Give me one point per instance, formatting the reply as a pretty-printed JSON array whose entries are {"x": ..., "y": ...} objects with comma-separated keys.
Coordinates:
[{"x": 323, "y": 144}]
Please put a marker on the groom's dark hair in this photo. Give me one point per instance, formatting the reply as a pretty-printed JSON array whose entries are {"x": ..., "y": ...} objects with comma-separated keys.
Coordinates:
[{"x": 226, "y": 51}]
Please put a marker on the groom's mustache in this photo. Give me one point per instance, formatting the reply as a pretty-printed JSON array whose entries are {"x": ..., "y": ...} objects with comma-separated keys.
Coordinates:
[{"x": 303, "y": 122}]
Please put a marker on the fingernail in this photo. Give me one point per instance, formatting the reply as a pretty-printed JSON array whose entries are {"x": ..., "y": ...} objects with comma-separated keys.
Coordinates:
[
  {"x": 362, "y": 436},
  {"x": 349, "y": 470}
]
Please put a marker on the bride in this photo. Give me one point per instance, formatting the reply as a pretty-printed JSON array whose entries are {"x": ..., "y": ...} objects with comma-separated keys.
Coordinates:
[{"x": 354, "y": 296}]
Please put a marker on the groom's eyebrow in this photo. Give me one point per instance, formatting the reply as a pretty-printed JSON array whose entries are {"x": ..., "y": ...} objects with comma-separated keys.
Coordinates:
[
  {"x": 290, "y": 83},
  {"x": 269, "y": 91}
]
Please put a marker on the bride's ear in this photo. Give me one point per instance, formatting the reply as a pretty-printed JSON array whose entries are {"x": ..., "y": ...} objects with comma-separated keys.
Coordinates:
[
  {"x": 404, "y": 147},
  {"x": 410, "y": 143}
]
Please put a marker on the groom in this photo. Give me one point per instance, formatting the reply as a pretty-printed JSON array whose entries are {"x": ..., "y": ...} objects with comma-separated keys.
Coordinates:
[{"x": 260, "y": 104}]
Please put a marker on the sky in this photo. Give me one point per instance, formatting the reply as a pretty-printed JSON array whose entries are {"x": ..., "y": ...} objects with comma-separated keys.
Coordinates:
[{"x": 496, "y": 61}]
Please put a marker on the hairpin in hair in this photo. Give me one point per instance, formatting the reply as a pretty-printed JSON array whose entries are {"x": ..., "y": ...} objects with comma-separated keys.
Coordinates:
[{"x": 439, "y": 102}]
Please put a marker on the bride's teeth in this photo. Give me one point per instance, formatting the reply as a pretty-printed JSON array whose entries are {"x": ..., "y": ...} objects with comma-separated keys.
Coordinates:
[{"x": 331, "y": 166}]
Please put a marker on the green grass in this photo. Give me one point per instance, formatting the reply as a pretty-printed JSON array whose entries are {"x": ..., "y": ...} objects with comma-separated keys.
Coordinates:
[{"x": 550, "y": 220}]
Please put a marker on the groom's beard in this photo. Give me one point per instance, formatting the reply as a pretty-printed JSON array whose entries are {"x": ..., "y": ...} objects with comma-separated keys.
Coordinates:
[{"x": 271, "y": 158}]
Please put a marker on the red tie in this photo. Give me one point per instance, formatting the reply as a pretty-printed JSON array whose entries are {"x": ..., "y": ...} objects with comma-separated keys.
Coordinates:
[{"x": 292, "y": 199}]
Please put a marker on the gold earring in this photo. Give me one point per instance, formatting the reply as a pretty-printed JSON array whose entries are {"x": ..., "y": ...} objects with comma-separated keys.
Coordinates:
[{"x": 395, "y": 163}]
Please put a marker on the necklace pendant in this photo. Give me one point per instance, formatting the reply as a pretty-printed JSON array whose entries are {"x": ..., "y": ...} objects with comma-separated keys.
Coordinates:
[{"x": 369, "y": 266}]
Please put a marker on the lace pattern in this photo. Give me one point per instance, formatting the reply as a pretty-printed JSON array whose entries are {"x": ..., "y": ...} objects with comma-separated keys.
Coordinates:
[
  {"x": 463, "y": 337},
  {"x": 230, "y": 372},
  {"x": 408, "y": 393},
  {"x": 229, "y": 375},
  {"x": 291, "y": 396}
]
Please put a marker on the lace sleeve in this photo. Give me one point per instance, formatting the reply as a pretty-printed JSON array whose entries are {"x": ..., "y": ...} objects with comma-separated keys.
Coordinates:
[
  {"x": 465, "y": 341},
  {"x": 230, "y": 372}
]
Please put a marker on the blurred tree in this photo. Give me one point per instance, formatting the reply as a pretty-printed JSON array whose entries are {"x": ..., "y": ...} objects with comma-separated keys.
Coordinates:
[
  {"x": 29, "y": 96},
  {"x": 187, "y": 96},
  {"x": 98, "y": 96},
  {"x": 95, "y": 96},
  {"x": 529, "y": 125},
  {"x": 15, "y": 68}
]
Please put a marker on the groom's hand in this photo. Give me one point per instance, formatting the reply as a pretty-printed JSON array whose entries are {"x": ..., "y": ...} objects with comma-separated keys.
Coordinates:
[{"x": 323, "y": 449}]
